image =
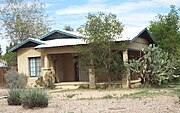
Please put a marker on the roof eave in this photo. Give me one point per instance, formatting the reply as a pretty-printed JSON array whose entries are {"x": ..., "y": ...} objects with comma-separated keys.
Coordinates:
[{"x": 14, "y": 49}]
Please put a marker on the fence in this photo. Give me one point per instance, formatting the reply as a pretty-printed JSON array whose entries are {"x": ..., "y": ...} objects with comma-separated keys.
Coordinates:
[{"x": 3, "y": 71}]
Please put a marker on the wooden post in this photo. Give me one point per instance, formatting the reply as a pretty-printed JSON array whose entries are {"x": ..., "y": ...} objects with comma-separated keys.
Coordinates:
[
  {"x": 125, "y": 78},
  {"x": 92, "y": 80}
]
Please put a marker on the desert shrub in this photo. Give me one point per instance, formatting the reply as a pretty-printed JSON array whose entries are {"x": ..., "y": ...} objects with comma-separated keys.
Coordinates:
[
  {"x": 31, "y": 98},
  {"x": 15, "y": 80},
  {"x": 14, "y": 97}
]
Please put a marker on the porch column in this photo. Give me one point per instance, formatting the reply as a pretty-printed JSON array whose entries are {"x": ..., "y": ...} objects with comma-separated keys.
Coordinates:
[
  {"x": 46, "y": 64},
  {"x": 92, "y": 80},
  {"x": 126, "y": 77}
]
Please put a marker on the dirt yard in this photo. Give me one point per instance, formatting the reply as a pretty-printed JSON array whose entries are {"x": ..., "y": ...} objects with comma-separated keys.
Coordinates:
[{"x": 102, "y": 101}]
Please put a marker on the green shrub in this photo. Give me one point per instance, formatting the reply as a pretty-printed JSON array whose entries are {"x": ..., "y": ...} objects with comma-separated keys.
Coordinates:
[
  {"x": 14, "y": 97},
  {"x": 34, "y": 98},
  {"x": 15, "y": 80}
]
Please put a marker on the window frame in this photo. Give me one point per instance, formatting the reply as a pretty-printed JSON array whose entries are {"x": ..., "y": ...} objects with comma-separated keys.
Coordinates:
[{"x": 37, "y": 62}]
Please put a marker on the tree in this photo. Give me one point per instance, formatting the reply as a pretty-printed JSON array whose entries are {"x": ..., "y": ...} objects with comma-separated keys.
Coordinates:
[
  {"x": 154, "y": 67},
  {"x": 10, "y": 58},
  {"x": 21, "y": 20},
  {"x": 166, "y": 31},
  {"x": 68, "y": 28},
  {"x": 102, "y": 55}
]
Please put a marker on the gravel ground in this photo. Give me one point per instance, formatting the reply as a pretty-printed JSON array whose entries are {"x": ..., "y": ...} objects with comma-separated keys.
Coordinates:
[{"x": 90, "y": 101}]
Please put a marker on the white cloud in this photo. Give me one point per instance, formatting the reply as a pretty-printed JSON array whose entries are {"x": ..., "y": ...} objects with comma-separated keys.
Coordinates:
[{"x": 137, "y": 13}]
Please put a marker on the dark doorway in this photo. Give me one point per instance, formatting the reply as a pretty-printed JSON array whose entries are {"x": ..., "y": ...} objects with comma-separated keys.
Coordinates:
[{"x": 76, "y": 68}]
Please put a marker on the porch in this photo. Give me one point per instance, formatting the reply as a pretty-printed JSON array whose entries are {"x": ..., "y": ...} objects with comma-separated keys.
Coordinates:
[{"x": 64, "y": 65}]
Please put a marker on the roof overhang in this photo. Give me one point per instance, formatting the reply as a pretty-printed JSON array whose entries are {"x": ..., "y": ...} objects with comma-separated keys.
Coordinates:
[{"x": 36, "y": 41}]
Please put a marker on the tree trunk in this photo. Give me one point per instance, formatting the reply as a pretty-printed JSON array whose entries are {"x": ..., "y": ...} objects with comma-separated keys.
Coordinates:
[
  {"x": 92, "y": 80},
  {"x": 109, "y": 81}
]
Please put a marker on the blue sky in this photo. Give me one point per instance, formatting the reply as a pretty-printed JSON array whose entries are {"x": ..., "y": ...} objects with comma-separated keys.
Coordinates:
[{"x": 133, "y": 14}]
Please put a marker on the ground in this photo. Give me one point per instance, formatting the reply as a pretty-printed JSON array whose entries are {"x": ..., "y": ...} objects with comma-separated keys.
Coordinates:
[{"x": 148, "y": 100}]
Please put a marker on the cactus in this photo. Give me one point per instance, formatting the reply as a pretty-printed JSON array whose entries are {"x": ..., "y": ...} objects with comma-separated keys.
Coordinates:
[{"x": 155, "y": 66}]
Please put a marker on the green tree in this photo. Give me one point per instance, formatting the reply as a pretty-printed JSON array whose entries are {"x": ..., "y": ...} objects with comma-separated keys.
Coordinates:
[
  {"x": 10, "y": 58},
  {"x": 154, "y": 67},
  {"x": 102, "y": 55},
  {"x": 68, "y": 28},
  {"x": 166, "y": 31},
  {"x": 22, "y": 19}
]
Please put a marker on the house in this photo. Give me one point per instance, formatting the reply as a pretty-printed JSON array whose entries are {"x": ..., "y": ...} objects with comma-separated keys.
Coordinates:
[{"x": 54, "y": 51}]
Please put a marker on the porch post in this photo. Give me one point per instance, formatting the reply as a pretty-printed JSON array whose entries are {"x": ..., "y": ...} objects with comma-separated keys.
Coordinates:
[
  {"x": 126, "y": 77},
  {"x": 46, "y": 64},
  {"x": 92, "y": 80}
]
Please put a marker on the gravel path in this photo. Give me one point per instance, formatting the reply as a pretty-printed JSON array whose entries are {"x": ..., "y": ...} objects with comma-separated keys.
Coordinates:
[{"x": 84, "y": 102}]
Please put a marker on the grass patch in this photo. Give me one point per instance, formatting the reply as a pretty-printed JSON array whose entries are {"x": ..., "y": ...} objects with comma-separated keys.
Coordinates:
[
  {"x": 139, "y": 95},
  {"x": 107, "y": 97}
]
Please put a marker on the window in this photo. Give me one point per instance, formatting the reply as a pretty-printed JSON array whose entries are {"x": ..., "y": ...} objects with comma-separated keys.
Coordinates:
[{"x": 35, "y": 66}]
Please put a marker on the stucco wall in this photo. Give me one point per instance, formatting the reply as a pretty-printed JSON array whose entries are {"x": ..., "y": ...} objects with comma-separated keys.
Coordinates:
[{"x": 23, "y": 62}]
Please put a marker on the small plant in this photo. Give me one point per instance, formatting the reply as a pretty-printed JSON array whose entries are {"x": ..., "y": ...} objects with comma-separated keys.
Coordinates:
[
  {"x": 107, "y": 97},
  {"x": 48, "y": 80},
  {"x": 39, "y": 81},
  {"x": 16, "y": 80},
  {"x": 34, "y": 98},
  {"x": 14, "y": 97},
  {"x": 70, "y": 95}
]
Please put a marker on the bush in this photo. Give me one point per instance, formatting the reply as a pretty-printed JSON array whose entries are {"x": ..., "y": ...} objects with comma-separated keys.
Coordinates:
[
  {"x": 15, "y": 80},
  {"x": 34, "y": 98},
  {"x": 14, "y": 97}
]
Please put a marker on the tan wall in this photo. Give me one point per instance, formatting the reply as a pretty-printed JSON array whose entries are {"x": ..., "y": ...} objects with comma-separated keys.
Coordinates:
[
  {"x": 58, "y": 50},
  {"x": 139, "y": 44},
  {"x": 23, "y": 62}
]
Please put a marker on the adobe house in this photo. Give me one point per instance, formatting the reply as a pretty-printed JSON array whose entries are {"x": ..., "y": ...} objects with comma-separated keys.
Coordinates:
[{"x": 54, "y": 51}]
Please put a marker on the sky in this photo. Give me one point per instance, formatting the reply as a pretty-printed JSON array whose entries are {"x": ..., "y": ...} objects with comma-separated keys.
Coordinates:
[{"x": 134, "y": 14}]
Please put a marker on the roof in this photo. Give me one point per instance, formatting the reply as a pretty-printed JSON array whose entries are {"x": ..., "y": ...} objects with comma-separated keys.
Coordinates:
[
  {"x": 71, "y": 42},
  {"x": 37, "y": 41},
  {"x": 127, "y": 34},
  {"x": 61, "y": 42},
  {"x": 69, "y": 33}
]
